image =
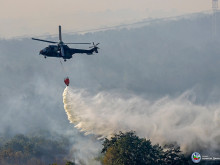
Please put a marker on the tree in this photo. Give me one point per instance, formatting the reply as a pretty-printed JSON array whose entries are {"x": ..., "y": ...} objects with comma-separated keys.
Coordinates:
[
  {"x": 35, "y": 150},
  {"x": 70, "y": 163},
  {"x": 129, "y": 149},
  {"x": 173, "y": 155}
]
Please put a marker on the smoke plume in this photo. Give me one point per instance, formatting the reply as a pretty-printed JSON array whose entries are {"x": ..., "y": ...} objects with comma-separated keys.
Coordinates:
[{"x": 180, "y": 120}]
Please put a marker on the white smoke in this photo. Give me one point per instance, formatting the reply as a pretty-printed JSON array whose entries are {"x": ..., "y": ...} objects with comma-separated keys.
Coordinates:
[{"x": 165, "y": 120}]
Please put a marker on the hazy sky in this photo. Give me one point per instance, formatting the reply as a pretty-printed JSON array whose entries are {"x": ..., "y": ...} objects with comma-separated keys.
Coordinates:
[
  {"x": 167, "y": 58},
  {"x": 31, "y": 17}
]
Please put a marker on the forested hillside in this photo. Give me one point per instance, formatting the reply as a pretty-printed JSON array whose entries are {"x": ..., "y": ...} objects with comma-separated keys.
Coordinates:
[{"x": 34, "y": 150}]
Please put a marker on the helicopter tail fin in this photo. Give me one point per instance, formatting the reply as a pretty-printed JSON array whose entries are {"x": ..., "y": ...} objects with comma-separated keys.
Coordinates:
[{"x": 95, "y": 49}]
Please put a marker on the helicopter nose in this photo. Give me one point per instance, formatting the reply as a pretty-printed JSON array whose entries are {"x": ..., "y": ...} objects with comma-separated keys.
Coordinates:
[{"x": 43, "y": 51}]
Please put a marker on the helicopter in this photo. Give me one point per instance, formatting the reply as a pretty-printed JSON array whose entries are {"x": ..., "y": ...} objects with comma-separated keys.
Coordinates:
[{"x": 62, "y": 50}]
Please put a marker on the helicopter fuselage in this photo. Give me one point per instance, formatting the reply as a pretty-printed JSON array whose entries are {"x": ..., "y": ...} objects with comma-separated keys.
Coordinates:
[{"x": 55, "y": 51}]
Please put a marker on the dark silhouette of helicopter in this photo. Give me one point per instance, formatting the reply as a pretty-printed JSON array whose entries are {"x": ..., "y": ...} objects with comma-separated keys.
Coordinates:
[{"x": 61, "y": 50}]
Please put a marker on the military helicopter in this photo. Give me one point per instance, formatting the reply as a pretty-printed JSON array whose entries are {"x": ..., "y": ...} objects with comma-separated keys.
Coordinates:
[{"x": 61, "y": 50}]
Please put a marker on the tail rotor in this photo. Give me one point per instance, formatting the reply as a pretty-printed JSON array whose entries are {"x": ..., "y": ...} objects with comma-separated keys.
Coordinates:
[{"x": 95, "y": 47}]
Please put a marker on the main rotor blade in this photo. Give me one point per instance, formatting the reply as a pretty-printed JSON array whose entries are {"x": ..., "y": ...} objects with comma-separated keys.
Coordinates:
[
  {"x": 60, "y": 35},
  {"x": 77, "y": 43},
  {"x": 44, "y": 40}
]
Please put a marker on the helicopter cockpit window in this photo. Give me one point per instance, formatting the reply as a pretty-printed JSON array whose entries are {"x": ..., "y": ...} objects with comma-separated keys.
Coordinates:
[{"x": 45, "y": 49}]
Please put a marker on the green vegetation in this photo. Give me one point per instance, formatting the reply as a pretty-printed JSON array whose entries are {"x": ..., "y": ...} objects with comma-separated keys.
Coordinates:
[
  {"x": 67, "y": 163},
  {"x": 129, "y": 149},
  {"x": 44, "y": 148},
  {"x": 35, "y": 150}
]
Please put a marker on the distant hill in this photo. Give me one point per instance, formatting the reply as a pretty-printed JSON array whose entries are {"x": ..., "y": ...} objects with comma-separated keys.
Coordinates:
[{"x": 35, "y": 150}]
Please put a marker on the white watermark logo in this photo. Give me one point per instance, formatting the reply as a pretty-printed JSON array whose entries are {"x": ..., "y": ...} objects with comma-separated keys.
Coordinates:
[{"x": 196, "y": 157}]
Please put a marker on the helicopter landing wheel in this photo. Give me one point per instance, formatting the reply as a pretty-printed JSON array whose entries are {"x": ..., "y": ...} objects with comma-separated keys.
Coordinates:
[
  {"x": 64, "y": 60},
  {"x": 45, "y": 56}
]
